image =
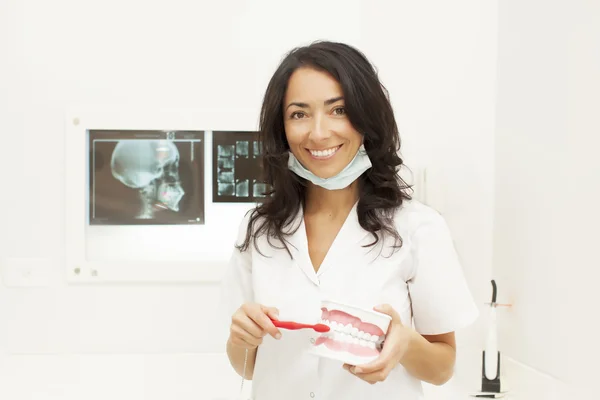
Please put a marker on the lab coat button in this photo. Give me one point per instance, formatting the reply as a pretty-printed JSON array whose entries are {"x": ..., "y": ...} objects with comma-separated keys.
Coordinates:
[
  {"x": 312, "y": 340},
  {"x": 312, "y": 394}
]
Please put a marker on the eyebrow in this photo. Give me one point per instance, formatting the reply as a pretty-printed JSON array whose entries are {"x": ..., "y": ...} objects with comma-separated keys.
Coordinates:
[{"x": 326, "y": 102}]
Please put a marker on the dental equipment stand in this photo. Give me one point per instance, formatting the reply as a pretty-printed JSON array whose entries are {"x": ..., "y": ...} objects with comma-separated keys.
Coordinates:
[{"x": 492, "y": 386}]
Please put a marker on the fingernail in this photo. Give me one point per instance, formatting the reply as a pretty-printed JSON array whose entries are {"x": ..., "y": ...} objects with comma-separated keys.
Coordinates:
[
  {"x": 357, "y": 370},
  {"x": 278, "y": 336}
]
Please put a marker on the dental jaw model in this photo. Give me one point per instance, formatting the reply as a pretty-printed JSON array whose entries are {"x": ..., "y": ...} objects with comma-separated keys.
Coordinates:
[{"x": 356, "y": 334}]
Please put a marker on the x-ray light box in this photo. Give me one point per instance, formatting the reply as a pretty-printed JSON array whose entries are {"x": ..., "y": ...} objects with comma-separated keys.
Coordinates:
[{"x": 141, "y": 204}]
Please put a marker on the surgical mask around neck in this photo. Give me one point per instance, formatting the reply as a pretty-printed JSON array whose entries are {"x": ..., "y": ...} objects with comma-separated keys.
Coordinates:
[{"x": 359, "y": 164}]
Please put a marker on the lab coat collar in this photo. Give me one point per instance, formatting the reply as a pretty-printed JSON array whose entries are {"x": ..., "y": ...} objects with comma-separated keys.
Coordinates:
[{"x": 350, "y": 234}]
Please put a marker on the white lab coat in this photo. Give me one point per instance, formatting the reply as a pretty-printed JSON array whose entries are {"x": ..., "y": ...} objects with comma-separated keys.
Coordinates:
[{"x": 423, "y": 281}]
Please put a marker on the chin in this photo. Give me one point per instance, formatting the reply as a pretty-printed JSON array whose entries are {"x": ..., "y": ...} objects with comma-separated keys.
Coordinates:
[{"x": 326, "y": 173}]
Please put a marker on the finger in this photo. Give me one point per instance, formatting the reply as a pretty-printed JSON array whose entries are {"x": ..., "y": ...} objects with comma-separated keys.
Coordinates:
[
  {"x": 248, "y": 325},
  {"x": 240, "y": 341},
  {"x": 262, "y": 320},
  {"x": 371, "y": 367},
  {"x": 379, "y": 363},
  {"x": 367, "y": 378},
  {"x": 251, "y": 340},
  {"x": 389, "y": 310},
  {"x": 373, "y": 377},
  {"x": 272, "y": 312},
  {"x": 349, "y": 368},
  {"x": 240, "y": 333}
]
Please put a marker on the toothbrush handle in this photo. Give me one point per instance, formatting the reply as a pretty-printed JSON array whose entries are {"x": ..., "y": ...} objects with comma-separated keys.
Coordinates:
[{"x": 289, "y": 325}]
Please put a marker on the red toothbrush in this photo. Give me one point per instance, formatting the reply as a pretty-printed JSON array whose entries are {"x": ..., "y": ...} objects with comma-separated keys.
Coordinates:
[{"x": 321, "y": 328}]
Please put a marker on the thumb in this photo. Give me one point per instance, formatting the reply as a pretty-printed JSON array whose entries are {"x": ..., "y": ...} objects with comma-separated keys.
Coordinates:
[
  {"x": 272, "y": 312},
  {"x": 388, "y": 310},
  {"x": 267, "y": 314}
]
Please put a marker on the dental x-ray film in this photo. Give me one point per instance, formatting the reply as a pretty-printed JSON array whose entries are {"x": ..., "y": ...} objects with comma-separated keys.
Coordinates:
[
  {"x": 237, "y": 168},
  {"x": 139, "y": 177}
]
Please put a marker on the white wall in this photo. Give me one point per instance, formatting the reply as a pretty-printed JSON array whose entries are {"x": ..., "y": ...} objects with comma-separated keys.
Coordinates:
[
  {"x": 546, "y": 203},
  {"x": 439, "y": 63},
  {"x": 156, "y": 341}
]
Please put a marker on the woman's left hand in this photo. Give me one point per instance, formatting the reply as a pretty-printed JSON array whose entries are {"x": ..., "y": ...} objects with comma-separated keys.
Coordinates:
[{"x": 397, "y": 340}]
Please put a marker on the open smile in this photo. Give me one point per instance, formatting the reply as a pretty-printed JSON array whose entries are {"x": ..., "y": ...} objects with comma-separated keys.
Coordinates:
[{"x": 325, "y": 153}]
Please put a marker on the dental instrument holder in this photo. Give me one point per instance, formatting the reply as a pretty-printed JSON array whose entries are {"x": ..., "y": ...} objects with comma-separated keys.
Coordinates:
[{"x": 492, "y": 385}]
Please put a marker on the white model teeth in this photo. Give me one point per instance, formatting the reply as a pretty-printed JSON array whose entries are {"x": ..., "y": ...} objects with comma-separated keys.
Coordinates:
[
  {"x": 324, "y": 153},
  {"x": 345, "y": 338},
  {"x": 350, "y": 334}
]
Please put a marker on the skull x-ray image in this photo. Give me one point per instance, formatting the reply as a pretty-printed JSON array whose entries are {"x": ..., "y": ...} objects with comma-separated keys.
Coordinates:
[
  {"x": 237, "y": 170},
  {"x": 146, "y": 177}
]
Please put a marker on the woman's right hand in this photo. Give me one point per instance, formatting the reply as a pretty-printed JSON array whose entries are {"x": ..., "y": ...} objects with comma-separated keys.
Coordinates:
[{"x": 250, "y": 323}]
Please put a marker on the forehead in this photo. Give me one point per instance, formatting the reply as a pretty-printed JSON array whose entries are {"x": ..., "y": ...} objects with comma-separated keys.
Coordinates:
[{"x": 311, "y": 85}]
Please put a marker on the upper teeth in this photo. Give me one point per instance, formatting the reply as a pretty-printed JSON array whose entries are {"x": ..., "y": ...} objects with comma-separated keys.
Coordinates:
[
  {"x": 324, "y": 153},
  {"x": 351, "y": 331}
]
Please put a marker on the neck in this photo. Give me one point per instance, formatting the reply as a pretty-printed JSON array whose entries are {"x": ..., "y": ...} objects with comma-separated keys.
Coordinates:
[{"x": 333, "y": 202}]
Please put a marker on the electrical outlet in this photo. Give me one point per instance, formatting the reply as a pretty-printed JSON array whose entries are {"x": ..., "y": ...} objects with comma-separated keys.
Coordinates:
[{"x": 25, "y": 272}]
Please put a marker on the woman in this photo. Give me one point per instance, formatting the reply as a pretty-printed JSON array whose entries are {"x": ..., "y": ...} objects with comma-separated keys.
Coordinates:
[{"x": 340, "y": 225}]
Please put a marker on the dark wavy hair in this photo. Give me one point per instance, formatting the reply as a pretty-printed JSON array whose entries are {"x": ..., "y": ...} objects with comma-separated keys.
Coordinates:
[{"x": 367, "y": 105}]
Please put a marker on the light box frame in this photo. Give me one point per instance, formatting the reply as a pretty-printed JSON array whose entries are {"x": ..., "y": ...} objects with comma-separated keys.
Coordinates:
[{"x": 79, "y": 269}]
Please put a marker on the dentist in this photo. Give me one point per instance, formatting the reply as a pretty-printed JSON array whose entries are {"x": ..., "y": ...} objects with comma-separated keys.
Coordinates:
[{"x": 339, "y": 224}]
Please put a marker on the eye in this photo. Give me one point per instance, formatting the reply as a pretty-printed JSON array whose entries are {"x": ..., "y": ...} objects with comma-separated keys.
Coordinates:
[
  {"x": 297, "y": 115},
  {"x": 339, "y": 111}
]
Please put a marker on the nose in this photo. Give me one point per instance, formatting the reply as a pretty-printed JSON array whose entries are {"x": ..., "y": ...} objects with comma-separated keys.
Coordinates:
[{"x": 320, "y": 129}]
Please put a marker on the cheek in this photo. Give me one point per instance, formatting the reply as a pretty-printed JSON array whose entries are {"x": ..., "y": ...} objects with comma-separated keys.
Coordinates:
[
  {"x": 342, "y": 125},
  {"x": 345, "y": 130},
  {"x": 355, "y": 137},
  {"x": 294, "y": 135}
]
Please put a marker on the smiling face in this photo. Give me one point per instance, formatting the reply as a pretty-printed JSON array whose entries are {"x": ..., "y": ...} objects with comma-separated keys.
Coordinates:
[{"x": 317, "y": 128}]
